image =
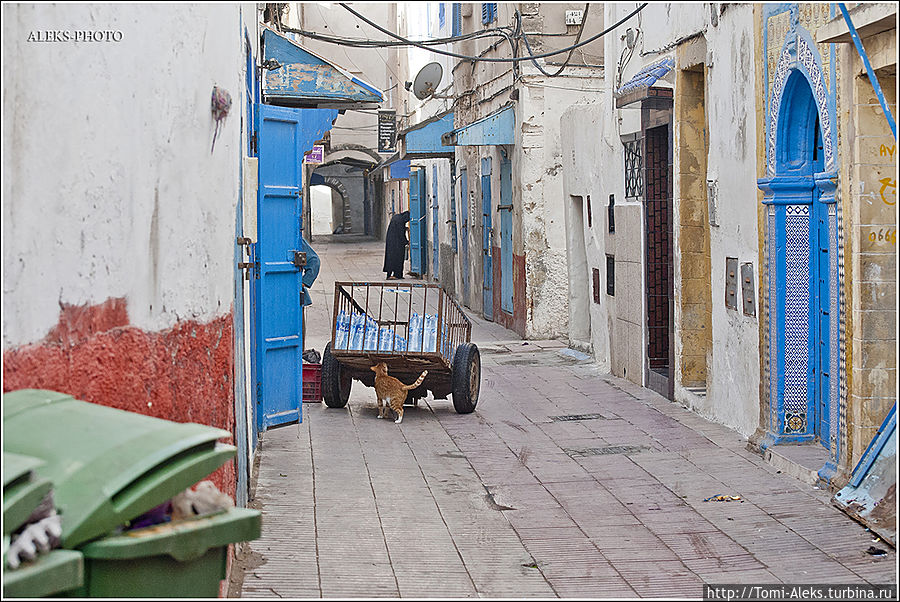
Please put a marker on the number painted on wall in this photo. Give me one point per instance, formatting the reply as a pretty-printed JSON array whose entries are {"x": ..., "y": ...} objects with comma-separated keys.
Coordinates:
[{"x": 884, "y": 235}]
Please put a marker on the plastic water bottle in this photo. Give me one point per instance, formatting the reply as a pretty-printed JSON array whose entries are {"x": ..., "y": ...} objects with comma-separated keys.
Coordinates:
[
  {"x": 415, "y": 332},
  {"x": 399, "y": 343},
  {"x": 386, "y": 339},
  {"x": 371, "y": 335},
  {"x": 430, "y": 338},
  {"x": 356, "y": 331},
  {"x": 342, "y": 331}
]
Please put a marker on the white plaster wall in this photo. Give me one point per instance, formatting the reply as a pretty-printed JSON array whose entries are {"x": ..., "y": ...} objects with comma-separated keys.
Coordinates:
[
  {"x": 733, "y": 381},
  {"x": 109, "y": 185}
]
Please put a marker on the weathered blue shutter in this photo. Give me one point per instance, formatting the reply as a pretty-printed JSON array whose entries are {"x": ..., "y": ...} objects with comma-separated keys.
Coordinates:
[
  {"x": 441, "y": 15},
  {"x": 457, "y": 19},
  {"x": 487, "y": 270},
  {"x": 415, "y": 223},
  {"x": 506, "y": 255},
  {"x": 488, "y": 12}
]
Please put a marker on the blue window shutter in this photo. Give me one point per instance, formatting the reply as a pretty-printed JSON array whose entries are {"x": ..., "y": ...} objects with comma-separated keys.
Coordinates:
[
  {"x": 488, "y": 12},
  {"x": 457, "y": 19},
  {"x": 441, "y": 18}
]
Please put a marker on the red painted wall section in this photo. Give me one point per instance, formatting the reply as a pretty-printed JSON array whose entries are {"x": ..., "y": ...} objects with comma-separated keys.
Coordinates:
[
  {"x": 516, "y": 321},
  {"x": 183, "y": 374}
]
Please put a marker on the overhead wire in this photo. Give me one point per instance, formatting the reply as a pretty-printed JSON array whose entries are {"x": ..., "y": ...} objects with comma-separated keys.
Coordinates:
[
  {"x": 515, "y": 59},
  {"x": 568, "y": 58}
]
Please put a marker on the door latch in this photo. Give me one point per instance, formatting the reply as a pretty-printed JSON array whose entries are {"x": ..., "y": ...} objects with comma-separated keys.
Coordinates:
[{"x": 299, "y": 259}]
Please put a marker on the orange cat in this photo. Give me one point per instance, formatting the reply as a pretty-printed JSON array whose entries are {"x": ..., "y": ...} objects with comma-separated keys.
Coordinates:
[{"x": 391, "y": 391}]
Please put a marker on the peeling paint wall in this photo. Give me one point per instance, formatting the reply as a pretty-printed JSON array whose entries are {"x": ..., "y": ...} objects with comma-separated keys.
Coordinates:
[
  {"x": 118, "y": 215},
  {"x": 733, "y": 370},
  {"x": 111, "y": 190}
]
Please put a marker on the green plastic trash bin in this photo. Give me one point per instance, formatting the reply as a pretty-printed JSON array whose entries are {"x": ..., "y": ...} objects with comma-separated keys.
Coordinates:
[
  {"x": 50, "y": 574},
  {"x": 108, "y": 467},
  {"x": 56, "y": 573},
  {"x": 184, "y": 559},
  {"x": 22, "y": 490}
]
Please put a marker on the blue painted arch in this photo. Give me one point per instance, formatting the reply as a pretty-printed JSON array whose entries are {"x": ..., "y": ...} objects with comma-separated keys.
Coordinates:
[{"x": 802, "y": 253}]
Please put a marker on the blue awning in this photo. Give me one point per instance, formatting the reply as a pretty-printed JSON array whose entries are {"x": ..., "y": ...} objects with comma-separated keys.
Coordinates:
[
  {"x": 305, "y": 79},
  {"x": 399, "y": 170},
  {"x": 637, "y": 86},
  {"x": 423, "y": 140},
  {"x": 497, "y": 128}
]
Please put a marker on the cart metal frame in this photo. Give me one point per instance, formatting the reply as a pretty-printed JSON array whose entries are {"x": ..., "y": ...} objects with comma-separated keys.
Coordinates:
[{"x": 381, "y": 301}]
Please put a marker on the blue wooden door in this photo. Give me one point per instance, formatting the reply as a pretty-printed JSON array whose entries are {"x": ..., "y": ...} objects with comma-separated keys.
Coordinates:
[
  {"x": 434, "y": 221},
  {"x": 279, "y": 321},
  {"x": 487, "y": 269},
  {"x": 506, "y": 254},
  {"x": 415, "y": 223},
  {"x": 464, "y": 210},
  {"x": 284, "y": 135}
]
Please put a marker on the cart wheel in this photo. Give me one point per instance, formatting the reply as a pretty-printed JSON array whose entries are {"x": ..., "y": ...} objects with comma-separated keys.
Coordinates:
[
  {"x": 466, "y": 377},
  {"x": 335, "y": 381}
]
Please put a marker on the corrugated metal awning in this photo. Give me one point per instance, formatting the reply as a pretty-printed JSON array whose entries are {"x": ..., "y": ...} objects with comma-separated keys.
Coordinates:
[
  {"x": 640, "y": 86},
  {"x": 305, "y": 79},
  {"x": 496, "y": 128},
  {"x": 423, "y": 140}
]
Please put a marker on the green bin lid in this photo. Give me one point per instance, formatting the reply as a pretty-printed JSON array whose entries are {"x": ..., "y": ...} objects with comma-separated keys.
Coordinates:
[
  {"x": 53, "y": 573},
  {"x": 107, "y": 466},
  {"x": 22, "y": 490},
  {"x": 184, "y": 540}
]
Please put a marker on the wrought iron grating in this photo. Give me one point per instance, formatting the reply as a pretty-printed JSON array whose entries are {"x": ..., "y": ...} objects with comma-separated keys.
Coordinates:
[
  {"x": 573, "y": 417},
  {"x": 607, "y": 450},
  {"x": 634, "y": 169}
]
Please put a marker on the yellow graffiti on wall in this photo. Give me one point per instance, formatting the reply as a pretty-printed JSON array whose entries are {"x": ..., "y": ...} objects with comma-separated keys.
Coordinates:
[
  {"x": 885, "y": 184},
  {"x": 889, "y": 151}
]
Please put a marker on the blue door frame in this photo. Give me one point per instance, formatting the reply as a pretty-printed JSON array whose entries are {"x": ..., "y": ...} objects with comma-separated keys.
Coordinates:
[
  {"x": 487, "y": 265},
  {"x": 506, "y": 254},
  {"x": 464, "y": 210},
  {"x": 284, "y": 136},
  {"x": 801, "y": 252},
  {"x": 434, "y": 222}
]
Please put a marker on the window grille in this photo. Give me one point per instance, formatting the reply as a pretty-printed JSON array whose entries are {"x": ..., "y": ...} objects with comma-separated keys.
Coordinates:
[{"x": 634, "y": 172}]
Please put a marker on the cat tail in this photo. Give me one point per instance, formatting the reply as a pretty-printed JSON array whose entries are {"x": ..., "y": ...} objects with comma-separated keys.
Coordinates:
[{"x": 418, "y": 382}]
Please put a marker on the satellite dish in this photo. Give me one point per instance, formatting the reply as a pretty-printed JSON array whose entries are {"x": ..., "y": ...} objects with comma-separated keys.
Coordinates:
[{"x": 427, "y": 80}]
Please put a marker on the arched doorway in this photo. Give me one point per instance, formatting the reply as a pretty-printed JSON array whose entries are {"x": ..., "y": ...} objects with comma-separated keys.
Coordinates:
[{"x": 801, "y": 249}]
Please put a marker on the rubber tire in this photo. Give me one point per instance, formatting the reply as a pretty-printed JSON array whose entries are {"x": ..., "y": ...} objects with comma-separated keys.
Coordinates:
[
  {"x": 466, "y": 378},
  {"x": 335, "y": 381}
]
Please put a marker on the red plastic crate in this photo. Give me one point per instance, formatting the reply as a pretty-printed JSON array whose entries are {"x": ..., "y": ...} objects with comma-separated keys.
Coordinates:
[{"x": 312, "y": 382}]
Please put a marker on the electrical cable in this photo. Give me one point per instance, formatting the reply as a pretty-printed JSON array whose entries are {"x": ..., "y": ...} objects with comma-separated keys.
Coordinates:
[
  {"x": 568, "y": 58},
  {"x": 495, "y": 60}
]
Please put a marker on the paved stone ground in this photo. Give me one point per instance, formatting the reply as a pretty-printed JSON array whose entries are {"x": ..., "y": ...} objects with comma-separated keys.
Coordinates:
[{"x": 511, "y": 502}]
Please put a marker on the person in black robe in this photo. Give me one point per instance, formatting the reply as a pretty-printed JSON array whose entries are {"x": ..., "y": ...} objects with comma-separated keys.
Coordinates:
[{"x": 395, "y": 242}]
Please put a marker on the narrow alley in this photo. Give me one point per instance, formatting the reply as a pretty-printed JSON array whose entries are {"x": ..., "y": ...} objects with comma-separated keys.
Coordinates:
[{"x": 565, "y": 482}]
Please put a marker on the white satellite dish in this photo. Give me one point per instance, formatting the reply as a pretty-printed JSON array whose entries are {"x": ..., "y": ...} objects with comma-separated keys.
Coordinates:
[{"x": 427, "y": 80}]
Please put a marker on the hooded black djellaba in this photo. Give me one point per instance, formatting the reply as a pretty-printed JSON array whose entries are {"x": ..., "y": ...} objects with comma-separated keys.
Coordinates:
[{"x": 395, "y": 245}]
